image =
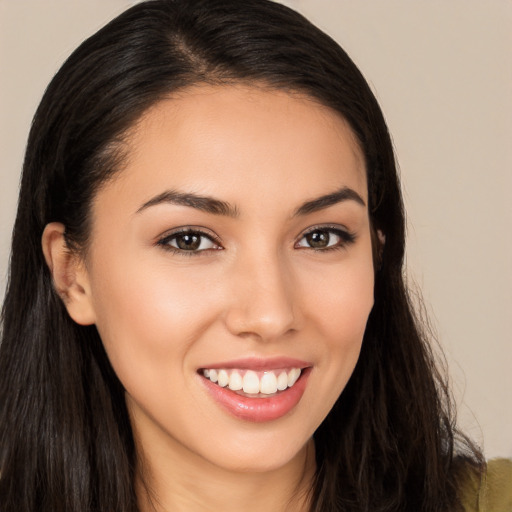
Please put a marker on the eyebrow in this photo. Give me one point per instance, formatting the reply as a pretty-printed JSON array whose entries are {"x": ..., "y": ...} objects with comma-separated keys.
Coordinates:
[
  {"x": 203, "y": 203},
  {"x": 217, "y": 207},
  {"x": 320, "y": 203}
]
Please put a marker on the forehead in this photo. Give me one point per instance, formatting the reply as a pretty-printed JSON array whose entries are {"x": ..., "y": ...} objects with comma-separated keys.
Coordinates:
[{"x": 236, "y": 139}]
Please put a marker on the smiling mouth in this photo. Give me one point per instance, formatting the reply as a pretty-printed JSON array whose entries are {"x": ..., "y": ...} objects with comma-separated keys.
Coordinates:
[
  {"x": 253, "y": 384},
  {"x": 257, "y": 390}
]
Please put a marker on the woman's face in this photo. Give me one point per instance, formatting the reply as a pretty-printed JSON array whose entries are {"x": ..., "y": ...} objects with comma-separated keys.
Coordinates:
[{"x": 233, "y": 246}]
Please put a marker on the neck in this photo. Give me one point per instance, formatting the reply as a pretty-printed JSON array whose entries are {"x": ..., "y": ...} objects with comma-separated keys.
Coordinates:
[{"x": 178, "y": 482}]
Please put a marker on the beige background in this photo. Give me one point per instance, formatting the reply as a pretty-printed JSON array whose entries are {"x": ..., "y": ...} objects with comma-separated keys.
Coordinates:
[{"x": 442, "y": 71}]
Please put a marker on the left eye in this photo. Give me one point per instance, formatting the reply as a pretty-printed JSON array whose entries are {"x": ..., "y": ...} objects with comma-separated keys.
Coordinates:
[
  {"x": 189, "y": 241},
  {"x": 324, "y": 238}
]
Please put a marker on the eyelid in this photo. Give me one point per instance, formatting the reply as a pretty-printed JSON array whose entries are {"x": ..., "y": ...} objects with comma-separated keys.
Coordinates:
[{"x": 326, "y": 227}]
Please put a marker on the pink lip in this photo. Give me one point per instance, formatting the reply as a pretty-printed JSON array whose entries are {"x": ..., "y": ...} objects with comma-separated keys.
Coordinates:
[
  {"x": 256, "y": 409},
  {"x": 260, "y": 364}
]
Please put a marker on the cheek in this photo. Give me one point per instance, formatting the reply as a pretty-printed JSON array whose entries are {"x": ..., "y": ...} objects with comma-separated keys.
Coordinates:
[
  {"x": 342, "y": 300},
  {"x": 339, "y": 309},
  {"x": 148, "y": 315}
]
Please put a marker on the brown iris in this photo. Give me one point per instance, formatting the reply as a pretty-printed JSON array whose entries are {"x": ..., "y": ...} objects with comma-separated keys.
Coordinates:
[
  {"x": 188, "y": 241},
  {"x": 318, "y": 239}
]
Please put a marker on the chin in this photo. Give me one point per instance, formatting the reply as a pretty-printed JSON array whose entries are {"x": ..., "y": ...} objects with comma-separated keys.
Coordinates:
[{"x": 261, "y": 454}]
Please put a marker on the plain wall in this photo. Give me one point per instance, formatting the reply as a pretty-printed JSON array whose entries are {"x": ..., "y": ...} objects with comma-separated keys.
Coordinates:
[{"x": 442, "y": 73}]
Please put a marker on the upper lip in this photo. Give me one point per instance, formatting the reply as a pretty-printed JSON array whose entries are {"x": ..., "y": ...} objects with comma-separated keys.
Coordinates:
[{"x": 260, "y": 363}]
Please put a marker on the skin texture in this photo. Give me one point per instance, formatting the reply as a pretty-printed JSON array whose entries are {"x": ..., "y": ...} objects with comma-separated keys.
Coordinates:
[{"x": 258, "y": 290}]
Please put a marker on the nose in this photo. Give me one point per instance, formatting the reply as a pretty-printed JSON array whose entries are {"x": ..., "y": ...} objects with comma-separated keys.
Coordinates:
[{"x": 262, "y": 302}]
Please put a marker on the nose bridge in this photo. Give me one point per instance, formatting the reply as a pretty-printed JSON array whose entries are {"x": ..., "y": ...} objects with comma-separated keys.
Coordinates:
[{"x": 262, "y": 302}]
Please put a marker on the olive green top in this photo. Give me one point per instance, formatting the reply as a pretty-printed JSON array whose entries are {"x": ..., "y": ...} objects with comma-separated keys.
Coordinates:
[{"x": 493, "y": 491}]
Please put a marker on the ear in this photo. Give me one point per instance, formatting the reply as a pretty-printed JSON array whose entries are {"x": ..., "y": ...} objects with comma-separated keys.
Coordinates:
[
  {"x": 382, "y": 239},
  {"x": 378, "y": 243},
  {"x": 70, "y": 277}
]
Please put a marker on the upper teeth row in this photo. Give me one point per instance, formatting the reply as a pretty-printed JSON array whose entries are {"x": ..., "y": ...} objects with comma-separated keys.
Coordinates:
[{"x": 267, "y": 384}]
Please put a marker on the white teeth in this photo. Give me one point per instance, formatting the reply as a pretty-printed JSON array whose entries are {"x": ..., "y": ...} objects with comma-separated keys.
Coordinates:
[
  {"x": 266, "y": 383},
  {"x": 235, "y": 381},
  {"x": 293, "y": 375},
  {"x": 282, "y": 381},
  {"x": 251, "y": 382},
  {"x": 223, "y": 378}
]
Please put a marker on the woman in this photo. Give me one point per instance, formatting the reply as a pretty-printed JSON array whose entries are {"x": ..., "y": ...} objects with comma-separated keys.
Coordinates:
[{"x": 206, "y": 308}]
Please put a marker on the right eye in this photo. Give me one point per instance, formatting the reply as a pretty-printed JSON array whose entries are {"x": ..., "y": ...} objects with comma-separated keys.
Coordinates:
[{"x": 189, "y": 241}]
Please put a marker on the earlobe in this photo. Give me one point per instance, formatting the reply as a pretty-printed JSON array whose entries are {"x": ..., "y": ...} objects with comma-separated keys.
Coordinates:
[
  {"x": 69, "y": 274},
  {"x": 382, "y": 242},
  {"x": 378, "y": 244},
  {"x": 382, "y": 238}
]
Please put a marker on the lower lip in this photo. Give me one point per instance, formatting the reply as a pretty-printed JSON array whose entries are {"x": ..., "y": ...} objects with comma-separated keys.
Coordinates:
[{"x": 259, "y": 410}]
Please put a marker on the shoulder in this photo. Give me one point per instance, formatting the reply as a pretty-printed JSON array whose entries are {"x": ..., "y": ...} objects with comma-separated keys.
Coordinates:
[{"x": 491, "y": 491}]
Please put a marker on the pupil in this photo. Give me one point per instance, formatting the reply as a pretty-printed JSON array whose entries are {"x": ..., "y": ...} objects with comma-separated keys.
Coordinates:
[
  {"x": 188, "y": 242},
  {"x": 318, "y": 239}
]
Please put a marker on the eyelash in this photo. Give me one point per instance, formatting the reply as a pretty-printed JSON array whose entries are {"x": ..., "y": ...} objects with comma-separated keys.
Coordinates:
[{"x": 346, "y": 238}]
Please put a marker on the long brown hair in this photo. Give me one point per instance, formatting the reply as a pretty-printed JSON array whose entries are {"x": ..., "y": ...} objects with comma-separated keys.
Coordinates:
[{"x": 66, "y": 444}]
